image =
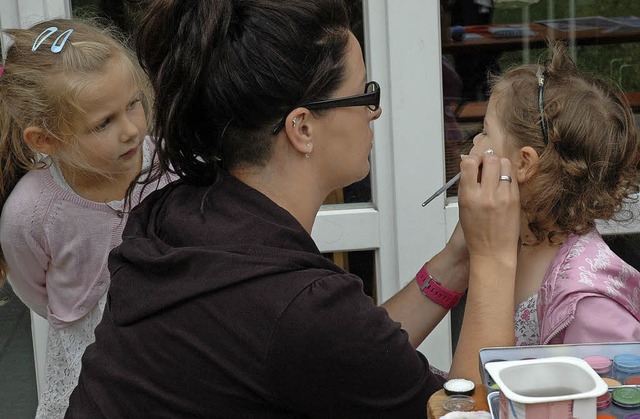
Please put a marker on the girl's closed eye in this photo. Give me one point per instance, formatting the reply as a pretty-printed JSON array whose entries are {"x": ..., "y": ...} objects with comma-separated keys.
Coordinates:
[{"x": 102, "y": 125}]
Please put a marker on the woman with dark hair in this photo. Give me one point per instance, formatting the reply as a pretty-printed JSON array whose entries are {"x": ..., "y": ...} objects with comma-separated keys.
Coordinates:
[{"x": 221, "y": 304}]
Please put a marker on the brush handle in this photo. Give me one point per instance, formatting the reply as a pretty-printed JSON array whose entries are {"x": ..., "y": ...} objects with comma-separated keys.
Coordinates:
[
  {"x": 442, "y": 189},
  {"x": 611, "y": 388}
]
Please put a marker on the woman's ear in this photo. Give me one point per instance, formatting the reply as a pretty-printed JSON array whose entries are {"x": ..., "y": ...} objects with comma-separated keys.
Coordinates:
[
  {"x": 525, "y": 163},
  {"x": 39, "y": 140},
  {"x": 299, "y": 129}
]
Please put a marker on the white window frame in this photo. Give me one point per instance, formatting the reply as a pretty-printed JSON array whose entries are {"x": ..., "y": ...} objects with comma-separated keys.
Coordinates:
[{"x": 402, "y": 42}]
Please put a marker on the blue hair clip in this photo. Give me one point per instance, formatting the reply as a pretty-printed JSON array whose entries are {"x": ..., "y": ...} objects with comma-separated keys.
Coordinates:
[{"x": 58, "y": 44}]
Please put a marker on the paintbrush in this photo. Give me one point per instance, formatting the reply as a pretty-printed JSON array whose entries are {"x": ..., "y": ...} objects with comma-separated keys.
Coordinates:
[
  {"x": 446, "y": 186},
  {"x": 611, "y": 388}
]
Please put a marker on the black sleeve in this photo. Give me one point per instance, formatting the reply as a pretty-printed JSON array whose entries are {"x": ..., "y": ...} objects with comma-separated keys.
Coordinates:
[{"x": 334, "y": 353}]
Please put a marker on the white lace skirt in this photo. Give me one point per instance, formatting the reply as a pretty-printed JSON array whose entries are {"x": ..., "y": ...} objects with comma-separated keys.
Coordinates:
[{"x": 63, "y": 361}]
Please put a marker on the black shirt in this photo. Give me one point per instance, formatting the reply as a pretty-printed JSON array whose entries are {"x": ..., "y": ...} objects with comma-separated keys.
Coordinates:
[{"x": 222, "y": 306}]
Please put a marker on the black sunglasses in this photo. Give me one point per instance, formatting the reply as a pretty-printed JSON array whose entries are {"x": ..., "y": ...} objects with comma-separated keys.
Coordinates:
[{"x": 370, "y": 98}]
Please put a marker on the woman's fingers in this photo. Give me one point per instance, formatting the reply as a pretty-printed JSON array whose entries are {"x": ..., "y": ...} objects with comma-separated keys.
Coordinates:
[{"x": 489, "y": 206}]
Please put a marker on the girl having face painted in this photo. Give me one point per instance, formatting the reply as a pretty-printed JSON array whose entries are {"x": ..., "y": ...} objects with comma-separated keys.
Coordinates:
[{"x": 575, "y": 149}]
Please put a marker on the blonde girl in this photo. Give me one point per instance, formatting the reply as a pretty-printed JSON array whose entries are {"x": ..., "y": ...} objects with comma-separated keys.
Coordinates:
[{"x": 73, "y": 126}]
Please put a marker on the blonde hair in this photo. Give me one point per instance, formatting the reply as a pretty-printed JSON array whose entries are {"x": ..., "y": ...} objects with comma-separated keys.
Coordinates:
[
  {"x": 589, "y": 167},
  {"x": 40, "y": 88}
]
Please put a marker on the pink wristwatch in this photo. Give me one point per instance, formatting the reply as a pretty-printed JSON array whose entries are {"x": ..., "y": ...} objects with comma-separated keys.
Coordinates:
[{"x": 435, "y": 291}]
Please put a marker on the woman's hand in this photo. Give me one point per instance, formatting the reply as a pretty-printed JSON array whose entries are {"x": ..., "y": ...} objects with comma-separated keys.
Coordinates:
[
  {"x": 489, "y": 207},
  {"x": 490, "y": 219}
]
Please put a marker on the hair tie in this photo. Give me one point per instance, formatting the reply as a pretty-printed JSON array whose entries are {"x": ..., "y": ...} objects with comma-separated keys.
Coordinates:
[{"x": 1, "y": 71}]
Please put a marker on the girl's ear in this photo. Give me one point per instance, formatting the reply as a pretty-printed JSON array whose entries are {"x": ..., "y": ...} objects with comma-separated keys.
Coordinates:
[
  {"x": 525, "y": 163},
  {"x": 39, "y": 140},
  {"x": 299, "y": 129}
]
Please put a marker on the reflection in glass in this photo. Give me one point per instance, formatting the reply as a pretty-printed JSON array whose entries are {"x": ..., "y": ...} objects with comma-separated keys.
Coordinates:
[{"x": 480, "y": 37}]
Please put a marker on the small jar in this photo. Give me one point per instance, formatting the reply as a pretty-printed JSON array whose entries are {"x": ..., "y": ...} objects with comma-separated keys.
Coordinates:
[
  {"x": 604, "y": 401},
  {"x": 632, "y": 416},
  {"x": 458, "y": 403},
  {"x": 628, "y": 398},
  {"x": 632, "y": 380},
  {"x": 600, "y": 364},
  {"x": 625, "y": 365},
  {"x": 611, "y": 382},
  {"x": 459, "y": 386}
]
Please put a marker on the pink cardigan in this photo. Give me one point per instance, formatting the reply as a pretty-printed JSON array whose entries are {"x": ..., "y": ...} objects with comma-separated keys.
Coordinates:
[
  {"x": 589, "y": 295},
  {"x": 56, "y": 245}
]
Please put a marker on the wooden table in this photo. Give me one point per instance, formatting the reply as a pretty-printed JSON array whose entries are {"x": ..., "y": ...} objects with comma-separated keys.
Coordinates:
[{"x": 435, "y": 409}]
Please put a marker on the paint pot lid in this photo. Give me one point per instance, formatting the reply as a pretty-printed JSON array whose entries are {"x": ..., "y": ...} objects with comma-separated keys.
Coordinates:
[
  {"x": 627, "y": 362},
  {"x": 604, "y": 401},
  {"x": 611, "y": 381},
  {"x": 605, "y": 397},
  {"x": 458, "y": 403},
  {"x": 598, "y": 362},
  {"x": 459, "y": 386},
  {"x": 626, "y": 397}
]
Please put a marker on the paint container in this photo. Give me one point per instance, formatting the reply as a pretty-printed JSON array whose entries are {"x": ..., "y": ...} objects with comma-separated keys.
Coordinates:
[
  {"x": 458, "y": 403},
  {"x": 625, "y": 365},
  {"x": 633, "y": 380},
  {"x": 611, "y": 382},
  {"x": 555, "y": 387},
  {"x": 604, "y": 401},
  {"x": 602, "y": 365},
  {"x": 627, "y": 398},
  {"x": 459, "y": 386},
  {"x": 632, "y": 416}
]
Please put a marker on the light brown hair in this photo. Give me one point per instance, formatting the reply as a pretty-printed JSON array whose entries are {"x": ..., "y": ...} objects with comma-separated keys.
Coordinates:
[{"x": 588, "y": 169}]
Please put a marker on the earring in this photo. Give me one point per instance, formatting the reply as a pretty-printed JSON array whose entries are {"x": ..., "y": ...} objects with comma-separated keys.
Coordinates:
[
  {"x": 307, "y": 155},
  {"x": 308, "y": 145},
  {"x": 294, "y": 122}
]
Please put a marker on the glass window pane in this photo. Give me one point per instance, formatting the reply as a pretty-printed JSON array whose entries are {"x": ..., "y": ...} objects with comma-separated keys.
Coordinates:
[
  {"x": 478, "y": 38},
  {"x": 360, "y": 263}
]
